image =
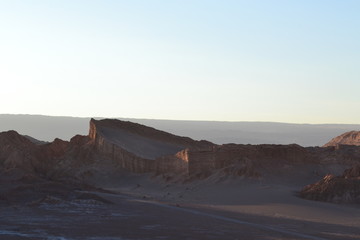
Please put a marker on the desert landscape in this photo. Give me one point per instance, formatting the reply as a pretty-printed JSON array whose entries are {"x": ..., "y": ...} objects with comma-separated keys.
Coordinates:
[
  {"x": 188, "y": 120},
  {"x": 125, "y": 180}
]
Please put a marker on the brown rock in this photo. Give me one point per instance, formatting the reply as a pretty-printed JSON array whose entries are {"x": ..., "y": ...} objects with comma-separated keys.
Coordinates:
[
  {"x": 139, "y": 148},
  {"x": 341, "y": 189},
  {"x": 348, "y": 138}
]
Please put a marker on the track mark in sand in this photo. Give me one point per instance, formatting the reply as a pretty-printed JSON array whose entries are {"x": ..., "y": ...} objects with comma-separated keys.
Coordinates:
[{"x": 233, "y": 220}]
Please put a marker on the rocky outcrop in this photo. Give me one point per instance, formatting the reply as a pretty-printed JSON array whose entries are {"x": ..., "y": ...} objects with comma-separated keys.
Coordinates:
[
  {"x": 45, "y": 159},
  {"x": 16, "y": 151},
  {"x": 113, "y": 144},
  {"x": 141, "y": 149},
  {"x": 349, "y": 138},
  {"x": 337, "y": 189}
]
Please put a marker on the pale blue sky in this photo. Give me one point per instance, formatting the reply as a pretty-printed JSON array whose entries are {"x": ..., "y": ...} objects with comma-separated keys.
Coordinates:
[{"x": 284, "y": 61}]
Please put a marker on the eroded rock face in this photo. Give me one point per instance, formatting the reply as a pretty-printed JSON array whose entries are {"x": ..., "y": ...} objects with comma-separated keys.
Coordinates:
[
  {"x": 115, "y": 144},
  {"x": 337, "y": 189},
  {"x": 141, "y": 149},
  {"x": 349, "y": 138},
  {"x": 46, "y": 159}
]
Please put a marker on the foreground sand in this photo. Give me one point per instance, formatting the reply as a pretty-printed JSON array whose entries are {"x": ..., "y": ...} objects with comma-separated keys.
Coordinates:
[
  {"x": 270, "y": 203},
  {"x": 148, "y": 207}
]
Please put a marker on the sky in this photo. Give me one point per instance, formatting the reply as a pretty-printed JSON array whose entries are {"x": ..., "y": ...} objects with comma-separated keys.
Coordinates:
[{"x": 262, "y": 60}]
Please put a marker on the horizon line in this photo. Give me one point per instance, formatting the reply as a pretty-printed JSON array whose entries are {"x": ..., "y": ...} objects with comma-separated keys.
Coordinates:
[{"x": 158, "y": 119}]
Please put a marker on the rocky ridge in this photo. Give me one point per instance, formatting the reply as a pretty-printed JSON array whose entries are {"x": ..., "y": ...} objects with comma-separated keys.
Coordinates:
[
  {"x": 348, "y": 138},
  {"x": 115, "y": 146}
]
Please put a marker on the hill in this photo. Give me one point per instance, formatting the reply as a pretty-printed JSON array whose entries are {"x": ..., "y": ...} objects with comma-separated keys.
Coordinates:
[{"x": 348, "y": 138}]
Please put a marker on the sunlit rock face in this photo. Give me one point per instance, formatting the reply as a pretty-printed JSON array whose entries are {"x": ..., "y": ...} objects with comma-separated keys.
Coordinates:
[{"x": 348, "y": 138}]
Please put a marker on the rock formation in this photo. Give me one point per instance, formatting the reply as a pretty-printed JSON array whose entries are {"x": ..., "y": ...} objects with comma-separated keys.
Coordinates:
[
  {"x": 348, "y": 138},
  {"x": 45, "y": 159},
  {"x": 141, "y": 149},
  {"x": 115, "y": 146},
  {"x": 338, "y": 189},
  {"x": 16, "y": 151}
]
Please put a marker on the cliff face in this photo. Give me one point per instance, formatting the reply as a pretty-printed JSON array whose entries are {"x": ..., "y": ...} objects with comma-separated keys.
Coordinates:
[
  {"x": 349, "y": 138},
  {"x": 139, "y": 148}
]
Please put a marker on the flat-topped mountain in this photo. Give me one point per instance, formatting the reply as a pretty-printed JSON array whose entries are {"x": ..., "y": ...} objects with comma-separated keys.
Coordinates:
[{"x": 348, "y": 138}]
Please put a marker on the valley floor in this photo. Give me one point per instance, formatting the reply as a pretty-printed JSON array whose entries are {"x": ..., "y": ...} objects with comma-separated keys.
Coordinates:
[
  {"x": 146, "y": 207},
  {"x": 266, "y": 205}
]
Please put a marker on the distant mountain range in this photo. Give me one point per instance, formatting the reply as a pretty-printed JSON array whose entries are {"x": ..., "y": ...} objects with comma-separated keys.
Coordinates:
[{"x": 47, "y": 128}]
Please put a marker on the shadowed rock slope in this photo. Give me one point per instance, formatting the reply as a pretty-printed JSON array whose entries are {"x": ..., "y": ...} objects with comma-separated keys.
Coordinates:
[
  {"x": 338, "y": 189},
  {"x": 346, "y": 187},
  {"x": 46, "y": 159}
]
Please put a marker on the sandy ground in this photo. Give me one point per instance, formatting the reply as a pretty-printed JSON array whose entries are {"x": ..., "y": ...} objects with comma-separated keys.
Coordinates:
[
  {"x": 147, "y": 207},
  {"x": 266, "y": 203}
]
